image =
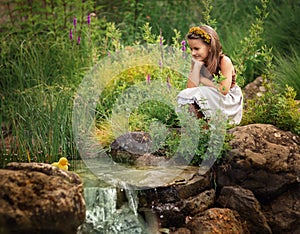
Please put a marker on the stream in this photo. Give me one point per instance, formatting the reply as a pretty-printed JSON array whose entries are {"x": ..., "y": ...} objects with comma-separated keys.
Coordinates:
[
  {"x": 111, "y": 197},
  {"x": 109, "y": 209}
]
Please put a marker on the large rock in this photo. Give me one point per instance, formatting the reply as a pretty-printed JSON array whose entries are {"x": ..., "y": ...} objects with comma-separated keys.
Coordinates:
[
  {"x": 130, "y": 146},
  {"x": 244, "y": 202},
  {"x": 264, "y": 159},
  {"x": 40, "y": 198},
  {"x": 217, "y": 220},
  {"x": 177, "y": 213},
  {"x": 200, "y": 203}
]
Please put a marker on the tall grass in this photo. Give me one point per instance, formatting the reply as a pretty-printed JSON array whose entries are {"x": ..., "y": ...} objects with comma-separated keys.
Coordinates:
[
  {"x": 38, "y": 82},
  {"x": 282, "y": 29},
  {"x": 41, "y": 118},
  {"x": 288, "y": 71},
  {"x": 40, "y": 74}
]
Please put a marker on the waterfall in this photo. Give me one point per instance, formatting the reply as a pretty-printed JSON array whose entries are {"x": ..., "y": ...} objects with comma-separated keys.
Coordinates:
[
  {"x": 105, "y": 216},
  {"x": 100, "y": 206}
]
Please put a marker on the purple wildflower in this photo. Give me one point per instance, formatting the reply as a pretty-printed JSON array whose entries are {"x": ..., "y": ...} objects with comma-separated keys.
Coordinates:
[
  {"x": 78, "y": 40},
  {"x": 168, "y": 83},
  {"x": 183, "y": 48},
  {"x": 183, "y": 43},
  {"x": 160, "y": 63},
  {"x": 89, "y": 19},
  {"x": 108, "y": 54},
  {"x": 160, "y": 38},
  {"x": 71, "y": 34},
  {"x": 75, "y": 22},
  {"x": 148, "y": 78}
]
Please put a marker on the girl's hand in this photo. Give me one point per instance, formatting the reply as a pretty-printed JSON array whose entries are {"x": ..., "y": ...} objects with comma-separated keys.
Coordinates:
[
  {"x": 196, "y": 63},
  {"x": 194, "y": 76}
]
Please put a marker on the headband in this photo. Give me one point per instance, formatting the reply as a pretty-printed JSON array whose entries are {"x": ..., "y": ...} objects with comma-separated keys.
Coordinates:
[{"x": 200, "y": 32}]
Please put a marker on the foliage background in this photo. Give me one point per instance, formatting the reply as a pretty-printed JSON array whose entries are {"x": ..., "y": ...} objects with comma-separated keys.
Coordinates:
[{"x": 41, "y": 66}]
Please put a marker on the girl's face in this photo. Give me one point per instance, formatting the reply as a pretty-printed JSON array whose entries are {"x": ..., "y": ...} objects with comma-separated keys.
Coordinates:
[{"x": 199, "y": 49}]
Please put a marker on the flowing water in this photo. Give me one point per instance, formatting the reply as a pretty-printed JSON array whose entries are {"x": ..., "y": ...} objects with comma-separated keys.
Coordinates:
[
  {"x": 103, "y": 215},
  {"x": 107, "y": 212},
  {"x": 111, "y": 196}
]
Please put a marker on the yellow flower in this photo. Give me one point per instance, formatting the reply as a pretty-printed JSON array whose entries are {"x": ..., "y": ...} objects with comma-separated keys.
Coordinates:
[{"x": 199, "y": 31}]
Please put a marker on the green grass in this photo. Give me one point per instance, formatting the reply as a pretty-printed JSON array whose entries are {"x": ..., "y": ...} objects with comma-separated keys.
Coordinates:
[
  {"x": 288, "y": 72},
  {"x": 41, "y": 118},
  {"x": 39, "y": 81},
  {"x": 282, "y": 27}
]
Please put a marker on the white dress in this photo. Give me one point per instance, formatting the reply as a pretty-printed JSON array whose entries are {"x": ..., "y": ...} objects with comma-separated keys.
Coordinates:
[{"x": 209, "y": 99}]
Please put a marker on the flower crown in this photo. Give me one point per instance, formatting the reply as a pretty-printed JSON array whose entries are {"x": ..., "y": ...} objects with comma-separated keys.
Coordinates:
[{"x": 199, "y": 31}]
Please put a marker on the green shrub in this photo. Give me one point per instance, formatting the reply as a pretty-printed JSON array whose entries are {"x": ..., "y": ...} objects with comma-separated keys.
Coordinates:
[{"x": 278, "y": 109}]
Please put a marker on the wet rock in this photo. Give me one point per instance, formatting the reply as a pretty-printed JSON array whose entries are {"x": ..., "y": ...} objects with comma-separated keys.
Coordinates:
[
  {"x": 195, "y": 185},
  {"x": 264, "y": 159},
  {"x": 217, "y": 220},
  {"x": 170, "y": 214},
  {"x": 40, "y": 198},
  {"x": 200, "y": 203},
  {"x": 183, "y": 197},
  {"x": 244, "y": 202},
  {"x": 130, "y": 146},
  {"x": 176, "y": 214},
  {"x": 150, "y": 197},
  {"x": 187, "y": 184}
]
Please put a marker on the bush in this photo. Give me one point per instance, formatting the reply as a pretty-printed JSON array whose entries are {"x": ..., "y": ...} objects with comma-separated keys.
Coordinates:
[{"x": 278, "y": 109}]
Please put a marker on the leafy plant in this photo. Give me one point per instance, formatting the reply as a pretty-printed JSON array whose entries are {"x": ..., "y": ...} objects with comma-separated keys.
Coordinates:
[
  {"x": 208, "y": 142},
  {"x": 247, "y": 56},
  {"x": 279, "y": 109}
]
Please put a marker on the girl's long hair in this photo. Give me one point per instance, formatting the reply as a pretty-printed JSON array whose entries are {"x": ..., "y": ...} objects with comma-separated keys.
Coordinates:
[{"x": 214, "y": 56}]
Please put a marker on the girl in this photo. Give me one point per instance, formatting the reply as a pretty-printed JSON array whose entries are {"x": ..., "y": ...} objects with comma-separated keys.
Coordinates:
[{"x": 209, "y": 62}]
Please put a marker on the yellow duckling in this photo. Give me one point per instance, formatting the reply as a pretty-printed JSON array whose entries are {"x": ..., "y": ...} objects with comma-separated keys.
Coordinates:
[{"x": 62, "y": 163}]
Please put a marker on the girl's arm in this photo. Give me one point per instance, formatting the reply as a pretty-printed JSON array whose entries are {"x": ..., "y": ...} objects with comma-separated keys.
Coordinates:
[
  {"x": 227, "y": 71},
  {"x": 194, "y": 76}
]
